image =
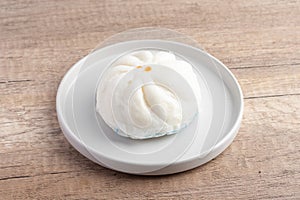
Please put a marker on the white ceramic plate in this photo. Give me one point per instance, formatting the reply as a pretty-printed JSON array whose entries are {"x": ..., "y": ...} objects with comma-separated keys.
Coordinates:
[{"x": 207, "y": 136}]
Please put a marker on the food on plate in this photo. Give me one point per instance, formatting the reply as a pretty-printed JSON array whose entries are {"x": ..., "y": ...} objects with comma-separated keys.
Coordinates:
[{"x": 140, "y": 95}]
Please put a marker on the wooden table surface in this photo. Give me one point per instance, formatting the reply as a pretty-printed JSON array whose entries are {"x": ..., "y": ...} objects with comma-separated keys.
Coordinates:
[{"x": 258, "y": 40}]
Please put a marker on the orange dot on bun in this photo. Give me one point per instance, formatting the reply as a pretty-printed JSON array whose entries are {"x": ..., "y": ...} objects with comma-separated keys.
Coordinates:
[{"x": 147, "y": 69}]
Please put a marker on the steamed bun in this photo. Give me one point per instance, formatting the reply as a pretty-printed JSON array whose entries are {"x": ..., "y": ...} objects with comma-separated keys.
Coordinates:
[{"x": 132, "y": 100}]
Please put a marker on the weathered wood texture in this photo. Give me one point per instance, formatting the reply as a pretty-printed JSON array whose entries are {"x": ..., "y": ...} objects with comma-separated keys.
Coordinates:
[{"x": 258, "y": 40}]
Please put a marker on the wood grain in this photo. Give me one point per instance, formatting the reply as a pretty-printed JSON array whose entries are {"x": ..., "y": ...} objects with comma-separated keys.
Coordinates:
[{"x": 258, "y": 41}]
